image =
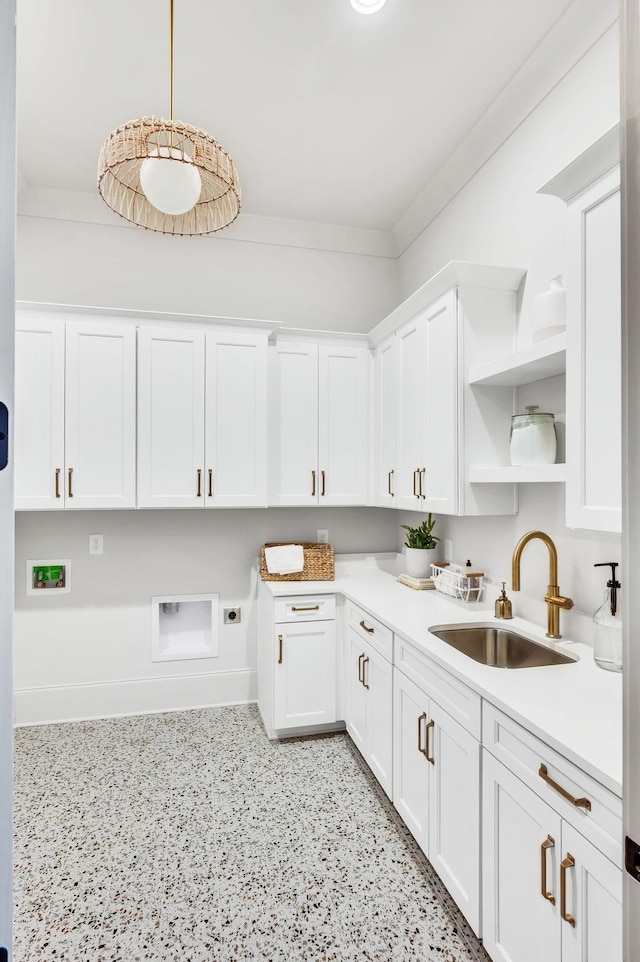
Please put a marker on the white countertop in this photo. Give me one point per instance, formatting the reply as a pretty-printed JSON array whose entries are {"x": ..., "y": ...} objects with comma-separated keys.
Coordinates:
[{"x": 576, "y": 708}]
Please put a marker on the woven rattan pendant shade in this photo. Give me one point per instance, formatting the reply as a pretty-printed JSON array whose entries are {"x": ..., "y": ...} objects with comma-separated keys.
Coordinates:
[{"x": 125, "y": 150}]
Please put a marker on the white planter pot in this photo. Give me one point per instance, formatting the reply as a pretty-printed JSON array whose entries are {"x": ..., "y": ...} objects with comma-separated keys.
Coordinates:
[{"x": 419, "y": 561}]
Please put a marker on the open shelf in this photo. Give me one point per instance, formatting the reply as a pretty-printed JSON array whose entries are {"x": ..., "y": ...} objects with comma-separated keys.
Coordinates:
[
  {"x": 540, "y": 360},
  {"x": 519, "y": 475}
]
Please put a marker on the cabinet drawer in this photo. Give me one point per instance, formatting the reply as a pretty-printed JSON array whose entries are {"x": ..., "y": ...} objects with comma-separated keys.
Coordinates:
[
  {"x": 524, "y": 754},
  {"x": 305, "y": 608},
  {"x": 460, "y": 702},
  {"x": 373, "y": 631}
]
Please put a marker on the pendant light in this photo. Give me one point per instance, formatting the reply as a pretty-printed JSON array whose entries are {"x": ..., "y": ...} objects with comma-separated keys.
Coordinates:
[{"x": 167, "y": 176}]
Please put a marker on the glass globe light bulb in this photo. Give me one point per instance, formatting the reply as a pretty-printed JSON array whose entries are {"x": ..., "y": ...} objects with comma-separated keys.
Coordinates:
[{"x": 170, "y": 180}]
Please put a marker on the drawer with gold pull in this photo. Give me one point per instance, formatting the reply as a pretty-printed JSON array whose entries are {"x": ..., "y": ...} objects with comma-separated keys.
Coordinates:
[
  {"x": 305, "y": 608},
  {"x": 370, "y": 629}
]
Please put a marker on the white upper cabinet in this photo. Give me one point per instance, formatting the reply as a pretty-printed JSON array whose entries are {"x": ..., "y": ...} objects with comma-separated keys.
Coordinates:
[
  {"x": 100, "y": 422},
  {"x": 594, "y": 362},
  {"x": 318, "y": 444},
  {"x": 236, "y": 420},
  {"x": 385, "y": 423},
  {"x": 39, "y": 415},
  {"x": 171, "y": 371},
  {"x": 75, "y": 415},
  {"x": 446, "y": 429},
  {"x": 201, "y": 419}
]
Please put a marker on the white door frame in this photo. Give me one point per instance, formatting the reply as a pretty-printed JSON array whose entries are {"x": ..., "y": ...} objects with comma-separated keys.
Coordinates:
[
  {"x": 7, "y": 328},
  {"x": 630, "y": 158}
]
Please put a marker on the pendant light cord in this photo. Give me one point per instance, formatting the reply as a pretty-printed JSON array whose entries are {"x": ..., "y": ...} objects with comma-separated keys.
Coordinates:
[{"x": 171, "y": 59}]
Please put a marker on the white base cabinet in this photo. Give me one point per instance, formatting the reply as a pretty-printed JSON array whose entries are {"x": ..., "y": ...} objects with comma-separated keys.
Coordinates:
[
  {"x": 548, "y": 892},
  {"x": 297, "y": 678},
  {"x": 436, "y": 790},
  {"x": 369, "y": 706}
]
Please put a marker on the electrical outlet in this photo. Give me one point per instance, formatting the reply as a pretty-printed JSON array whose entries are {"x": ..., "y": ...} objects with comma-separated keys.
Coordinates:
[
  {"x": 448, "y": 549},
  {"x": 322, "y": 535},
  {"x": 232, "y": 616},
  {"x": 95, "y": 544}
]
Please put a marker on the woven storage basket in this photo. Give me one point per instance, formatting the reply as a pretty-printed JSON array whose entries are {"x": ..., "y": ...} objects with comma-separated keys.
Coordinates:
[{"x": 318, "y": 564}]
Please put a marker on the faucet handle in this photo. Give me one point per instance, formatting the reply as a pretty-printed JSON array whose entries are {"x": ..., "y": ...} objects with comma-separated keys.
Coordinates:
[{"x": 559, "y": 601}]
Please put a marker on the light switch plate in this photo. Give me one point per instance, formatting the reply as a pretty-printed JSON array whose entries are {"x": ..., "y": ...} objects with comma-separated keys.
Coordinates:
[{"x": 322, "y": 535}]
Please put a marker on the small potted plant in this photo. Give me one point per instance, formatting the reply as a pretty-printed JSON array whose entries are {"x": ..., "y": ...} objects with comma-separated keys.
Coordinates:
[{"x": 421, "y": 548}]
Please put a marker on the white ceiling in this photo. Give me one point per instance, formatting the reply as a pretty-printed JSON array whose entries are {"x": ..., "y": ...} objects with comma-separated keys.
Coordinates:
[{"x": 330, "y": 116}]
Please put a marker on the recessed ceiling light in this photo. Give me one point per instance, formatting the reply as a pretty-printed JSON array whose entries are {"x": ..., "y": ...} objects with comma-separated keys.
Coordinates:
[{"x": 367, "y": 6}]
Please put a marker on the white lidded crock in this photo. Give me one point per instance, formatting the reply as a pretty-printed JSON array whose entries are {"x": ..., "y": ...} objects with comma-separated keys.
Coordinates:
[{"x": 533, "y": 438}]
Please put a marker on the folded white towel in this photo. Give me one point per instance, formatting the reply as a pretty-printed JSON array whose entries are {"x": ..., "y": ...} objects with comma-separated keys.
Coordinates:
[{"x": 284, "y": 559}]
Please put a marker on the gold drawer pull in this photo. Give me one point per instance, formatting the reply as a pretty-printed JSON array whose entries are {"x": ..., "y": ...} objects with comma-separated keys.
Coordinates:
[
  {"x": 565, "y": 864},
  {"x": 310, "y": 608},
  {"x": 580, "y": 802},
  {"x": 279, "y": 649},
  {"x": 370, "y": 630},
  {"x": 364, "y": 668},
  {"x": 430, "y": 724},
  {"x": 391, "y": 472},
  {"x": 57, "y": 482},
  {"x": 360, "y": 671},
  {"x": 549, "y": 896},
  {"x": 70, "y": 477}
]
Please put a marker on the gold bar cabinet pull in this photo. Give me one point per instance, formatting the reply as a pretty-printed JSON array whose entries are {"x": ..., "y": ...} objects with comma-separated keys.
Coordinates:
[
  {"x": 369, "y": 630},
  {"x": 210, "y": 483},
  {"x": 360, "y": 672},
  {"x": 430, "y": 724},
  {"x": 423, "y": 471},
  {"x": 421, "y": 718},
  {"x": 57, "y": 482},
  {"x": 565, "y": 864},
  {"x": 279, "y": 649},
  {"x": 70, "y": 481},
  {"x": 579, "y": 802},
  {"x": 415, "y": 493},
  {"x": 391, "y": 472},
  {"x": 364, "y": 670},
  {"x": 324, "y": 480},
  {"x": 199, "y": 493},
  {"x": 549, "y": 896},
  {"x": 308, "y": 608},
  {"x": 313, "y": 484}
]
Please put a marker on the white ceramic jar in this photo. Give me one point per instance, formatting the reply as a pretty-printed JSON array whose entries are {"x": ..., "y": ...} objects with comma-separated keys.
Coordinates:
[{"x": 533, "y": 438}]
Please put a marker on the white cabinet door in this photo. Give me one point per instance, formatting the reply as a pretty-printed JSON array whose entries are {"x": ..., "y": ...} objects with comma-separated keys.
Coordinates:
[
  {"x": 293, "y": 428},
  {"x": 39, "y": 415},
  {"x": 356, "y": 693},
  {"x": 100, "y": 422},
  {"x": 454, "y": 811},
  {"x": 411, "y": 362},
  {"x": 343, "y": 425},
  {"x": 410, "y": 765},
  {"x": 593, "y": 900},
  {"x": 171, "y": 372},
  {"x": 594, "y": 454},
  {"x": 385, "y": 388},
  {"x": 439, "y": 467},
  {"x": 518, "y": 923},
  {"x": 236, "y": 420},
  {"x": 378, "y": 686},
  {"x": 305, "y": 674}
]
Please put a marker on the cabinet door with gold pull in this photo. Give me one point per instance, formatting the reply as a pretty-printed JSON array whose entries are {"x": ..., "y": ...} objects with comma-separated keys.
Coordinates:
[
  {"x": 519, "y": 922},
  {"x": 304, "y": 674},
  {"x": 411, "y": 770},
  {"x": 356, "y": 694}
]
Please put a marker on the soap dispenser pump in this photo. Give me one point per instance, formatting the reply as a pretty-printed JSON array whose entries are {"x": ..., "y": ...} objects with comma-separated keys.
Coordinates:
[
  {"x": 502, "y": 606},
  {"x": 607, "y": 625}
]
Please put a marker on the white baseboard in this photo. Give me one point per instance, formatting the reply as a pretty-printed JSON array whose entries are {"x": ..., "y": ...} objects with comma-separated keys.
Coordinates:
[{"x": 41, "y": 706}]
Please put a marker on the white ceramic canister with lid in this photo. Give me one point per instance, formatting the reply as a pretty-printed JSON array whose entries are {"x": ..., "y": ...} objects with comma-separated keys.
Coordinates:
[
  {"x": 533, "y": 438},
  {"x": 549, "y": 310}
]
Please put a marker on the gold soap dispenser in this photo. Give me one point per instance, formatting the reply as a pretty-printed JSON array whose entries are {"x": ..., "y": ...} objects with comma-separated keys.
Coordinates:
[{"x": 503, "y": 605}]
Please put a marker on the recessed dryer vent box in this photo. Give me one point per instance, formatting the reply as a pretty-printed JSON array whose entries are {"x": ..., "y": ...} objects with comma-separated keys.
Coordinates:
[
  {"x": 184, "y": 626},
  {"x": 50, "y": 577}
]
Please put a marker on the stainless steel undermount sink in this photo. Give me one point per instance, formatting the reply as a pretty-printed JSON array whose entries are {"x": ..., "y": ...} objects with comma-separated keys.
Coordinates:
[{"x": 499, "y": 647}]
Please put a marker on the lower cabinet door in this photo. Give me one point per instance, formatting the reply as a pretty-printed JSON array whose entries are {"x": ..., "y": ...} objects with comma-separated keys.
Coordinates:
[
  {"x": 378, "y": 686},
  {"x": 593, "y": 899},
  {"x": 454, "y": 811},
  {"x": 410, "y": 764},
  {"x": 356, "y": 692},
  {"x": 305, "y": 674},
  {"x": 521, "y": 855}
]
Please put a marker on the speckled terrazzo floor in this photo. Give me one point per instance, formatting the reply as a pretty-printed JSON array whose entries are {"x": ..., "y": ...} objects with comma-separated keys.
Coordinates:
[{"x": 189, "y": 837}]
